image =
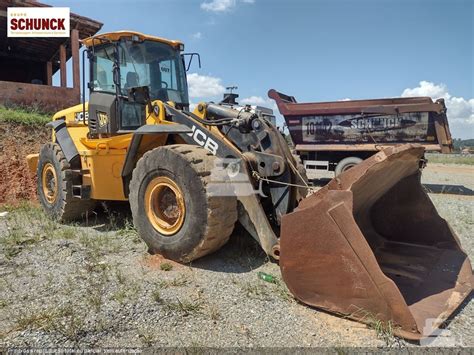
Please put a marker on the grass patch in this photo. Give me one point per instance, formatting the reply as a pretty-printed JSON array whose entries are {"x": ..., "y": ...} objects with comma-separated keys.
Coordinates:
[
  {"x": 166, "y": 266},
  {"x": 64, "y": 320},
  {"x": 179, "y": 281},
  {"x": 17, "y": 238},
  {"x": 214, "y": 312},
  {"x": 127, "y": 294},
  {"x": 186, "y": 308},
  {"x": 156, "y": 296},
  {"x": 255, "y": 290},
  {"x": 450, "y": 159},
  {"x": 384, "y": 330},
  {"x": 30, "y": 117}
]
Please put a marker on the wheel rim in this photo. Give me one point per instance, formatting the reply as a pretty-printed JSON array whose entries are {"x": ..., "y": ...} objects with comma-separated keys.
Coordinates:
[
  {"x": 50, "y": 183},
  {"x": 164, "y": 205}
]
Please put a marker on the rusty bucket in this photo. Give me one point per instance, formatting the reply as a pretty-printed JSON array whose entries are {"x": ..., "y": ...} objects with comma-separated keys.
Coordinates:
[{"x": 371, "y": 245}]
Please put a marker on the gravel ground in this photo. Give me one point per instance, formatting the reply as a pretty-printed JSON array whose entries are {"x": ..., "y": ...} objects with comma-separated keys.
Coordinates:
[{"x": 94, "y": 285}]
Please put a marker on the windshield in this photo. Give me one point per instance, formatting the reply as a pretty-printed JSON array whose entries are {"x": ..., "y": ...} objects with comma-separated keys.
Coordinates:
[{"x": 153, "y": 64}]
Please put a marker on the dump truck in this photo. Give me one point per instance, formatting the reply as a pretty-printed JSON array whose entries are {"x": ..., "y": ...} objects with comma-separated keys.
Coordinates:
[
  {"x": 335, "y": 136},
  {"x": 369, "y": 243}
]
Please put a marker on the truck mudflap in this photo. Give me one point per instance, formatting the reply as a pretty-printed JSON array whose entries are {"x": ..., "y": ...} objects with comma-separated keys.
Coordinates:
[{"x": 370, "y": 245}]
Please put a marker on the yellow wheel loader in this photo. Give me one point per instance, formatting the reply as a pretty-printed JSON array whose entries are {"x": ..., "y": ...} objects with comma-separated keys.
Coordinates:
[{"x": 369, "y": 245}]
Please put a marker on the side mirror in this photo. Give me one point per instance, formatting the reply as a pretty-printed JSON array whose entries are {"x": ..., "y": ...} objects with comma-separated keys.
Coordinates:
[{"x": 191, "y": 56}]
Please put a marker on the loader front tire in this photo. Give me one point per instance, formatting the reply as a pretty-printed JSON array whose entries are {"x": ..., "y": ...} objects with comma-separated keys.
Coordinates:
[
  {"x": 173, "y": 208},
  {"x": 54, "y": 185}
]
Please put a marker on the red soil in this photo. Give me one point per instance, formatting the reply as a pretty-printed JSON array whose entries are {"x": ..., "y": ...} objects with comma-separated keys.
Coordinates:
[
  {"x": 16, "y": 142},
  {"x": 154, "y": 262}
]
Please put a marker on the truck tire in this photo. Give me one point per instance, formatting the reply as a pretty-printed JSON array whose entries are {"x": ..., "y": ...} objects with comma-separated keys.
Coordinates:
[
  {"x": 345, "y": 164},
  {"x": 301, "y": 179},
  {"x": 172, "y": 206},
  {"x": 54, "y": 185}
]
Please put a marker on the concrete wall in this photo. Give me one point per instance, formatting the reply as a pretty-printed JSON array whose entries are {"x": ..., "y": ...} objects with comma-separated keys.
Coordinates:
[{"x": 46, "y": 98}]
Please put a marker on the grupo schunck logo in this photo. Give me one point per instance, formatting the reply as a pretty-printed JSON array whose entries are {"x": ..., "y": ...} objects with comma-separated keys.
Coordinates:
[{"x": 38, "y": 21}]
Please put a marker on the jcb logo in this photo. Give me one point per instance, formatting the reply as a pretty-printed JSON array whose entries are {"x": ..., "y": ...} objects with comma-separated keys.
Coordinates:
[
  {"x": 102, "y": 118},
  {"x": 203, "y": 140}
]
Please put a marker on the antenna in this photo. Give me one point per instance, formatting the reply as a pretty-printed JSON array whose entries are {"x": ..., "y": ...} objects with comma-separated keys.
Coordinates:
[{"x": 230, "y": 88}]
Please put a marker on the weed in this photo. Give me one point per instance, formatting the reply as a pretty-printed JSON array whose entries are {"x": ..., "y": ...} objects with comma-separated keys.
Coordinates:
[
  {"x": 67, "y": 233},
  {"x": 3, "y": 303},
  {"x": 166, "y": 266},
  {"x": 147, "y": 337},
  {"x": 60, "y": 319},
  {"x": 384, "y": 330},
  {"x": 255, "y": 290},
  {"x": 120, "y": 276},
  {"x": 186, "y": 308},
  {"x": 130, "y": 231},
  {"x": 214, "y": 312},
  {"x": 282, "y": 291},
  {"x": 127, "y": 294},
  {"x": 179, "y": 281},
  {"x": 16, "y": 240},
  {"x": 156, "y": 296},
  {"x": 120, "y": 296},
  {"x": 94, "y": 298}
]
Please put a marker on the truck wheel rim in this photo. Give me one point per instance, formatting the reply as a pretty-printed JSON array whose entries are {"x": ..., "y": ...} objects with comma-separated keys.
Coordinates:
[
  {"x": 50, "y": 183},
  {"x": 164, "y": 205}
]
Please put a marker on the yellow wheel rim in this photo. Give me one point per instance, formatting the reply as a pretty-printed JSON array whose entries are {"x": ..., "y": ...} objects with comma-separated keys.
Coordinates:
[
  {"x": 164, "y": 205},
  {"x": 50, "y": 182}
]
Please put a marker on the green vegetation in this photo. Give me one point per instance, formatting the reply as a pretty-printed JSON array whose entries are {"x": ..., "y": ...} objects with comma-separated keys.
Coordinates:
[
  {"x": 185, "y": 307},
  {"x": 463, "y": 143},
  {"x": 179, "y": 281},
  {"x": 166, "y": 266},
  {"x": 450, "y": 159},
  {"x": 30, "y": 117}
]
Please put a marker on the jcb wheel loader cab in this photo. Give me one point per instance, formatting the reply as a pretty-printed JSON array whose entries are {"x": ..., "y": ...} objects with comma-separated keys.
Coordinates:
[
  {"x": 173, "y": 208},
  {"x": 370, "y": 245},
  {"x": 127, "y": 71},
  {"x": 55, "y": 184}
]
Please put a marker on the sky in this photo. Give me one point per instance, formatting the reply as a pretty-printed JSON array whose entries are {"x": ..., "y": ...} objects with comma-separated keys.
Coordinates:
[{"x": 314, "y": 50}]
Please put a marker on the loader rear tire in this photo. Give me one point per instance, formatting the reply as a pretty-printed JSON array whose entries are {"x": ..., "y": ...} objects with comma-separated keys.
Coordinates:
[
  {"x": 173, "y": 208},
  {"x": 54, "y": 185}
]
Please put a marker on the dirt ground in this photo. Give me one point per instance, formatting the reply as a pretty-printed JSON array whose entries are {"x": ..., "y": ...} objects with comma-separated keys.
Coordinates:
[
  {"x": 93, "y": 284},
  {"x": 16, "y": 142}
]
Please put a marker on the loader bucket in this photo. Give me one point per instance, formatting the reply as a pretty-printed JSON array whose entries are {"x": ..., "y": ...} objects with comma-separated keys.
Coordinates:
[{"x": 370, "y": 245}]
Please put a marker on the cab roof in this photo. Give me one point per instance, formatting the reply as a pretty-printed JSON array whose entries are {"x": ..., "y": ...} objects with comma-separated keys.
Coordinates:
[{"x": 117, "y": 35}]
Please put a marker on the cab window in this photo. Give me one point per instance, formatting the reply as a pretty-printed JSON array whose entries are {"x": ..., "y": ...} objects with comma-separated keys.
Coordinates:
[{"x": 102, "y": 70}]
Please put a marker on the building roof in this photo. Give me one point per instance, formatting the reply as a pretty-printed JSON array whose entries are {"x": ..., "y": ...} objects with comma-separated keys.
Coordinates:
[{"x": 41, "y": 49}]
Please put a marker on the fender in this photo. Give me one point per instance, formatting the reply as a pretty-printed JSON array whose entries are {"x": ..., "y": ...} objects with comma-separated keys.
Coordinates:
[
  {"x": 131, "y": 157},
  {"x": 63, "y": 138}
]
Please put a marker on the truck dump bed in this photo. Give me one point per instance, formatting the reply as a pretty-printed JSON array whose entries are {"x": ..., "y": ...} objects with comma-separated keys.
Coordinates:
[{"x": 368, "y": 125}]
